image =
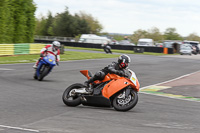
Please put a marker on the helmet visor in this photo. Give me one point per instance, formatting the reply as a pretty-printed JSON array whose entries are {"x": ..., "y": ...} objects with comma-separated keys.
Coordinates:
[
  {"x": 56, "y": 47},
  {"x": 124, "y": 65}
]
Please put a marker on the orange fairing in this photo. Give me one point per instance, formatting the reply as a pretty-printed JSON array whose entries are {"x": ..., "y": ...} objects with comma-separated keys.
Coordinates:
[
  {"x": 85, "y": 73},
  {"x": 107, "y": 78},
  {"x": 115, "y": 86}
]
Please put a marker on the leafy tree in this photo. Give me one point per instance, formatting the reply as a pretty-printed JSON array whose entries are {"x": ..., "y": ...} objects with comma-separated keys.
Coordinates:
[
  {"x": 40, "y": 25},
  {"x": 95, "y": 26},
  {"x": 193, "y": 37},
  {"x": 30, "y": 20},
  {"x": 138, "y": 34},
  {"x": 64, "y": 24},
  {"x": 170, "y": 34},
  {"x": 3, "y": 19},
  {"x": 6, "y": 21},
  {"x": 17, "y": 21},
  {"x": 48, "y": 26},
  {"x": 155, "y": 34},
  {"x": 20, "y": 21},
  {"x": 67, "y": 25},
  {"x": 82, "y": 26}
]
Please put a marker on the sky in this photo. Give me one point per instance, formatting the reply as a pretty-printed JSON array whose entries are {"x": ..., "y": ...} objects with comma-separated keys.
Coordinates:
[{"x": 127, "y": 16}]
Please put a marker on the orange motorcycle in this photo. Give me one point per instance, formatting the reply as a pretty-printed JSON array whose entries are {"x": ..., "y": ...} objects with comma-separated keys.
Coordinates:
[{"x": 112, "y": 91}]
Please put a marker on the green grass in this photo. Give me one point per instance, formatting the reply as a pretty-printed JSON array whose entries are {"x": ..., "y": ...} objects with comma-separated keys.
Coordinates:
[
  {"x": 117, "y": 51},
  {"x": 69, "y": 55},
  {"x": 73, "y": 55},
  {"x": 18, "y": 59}
]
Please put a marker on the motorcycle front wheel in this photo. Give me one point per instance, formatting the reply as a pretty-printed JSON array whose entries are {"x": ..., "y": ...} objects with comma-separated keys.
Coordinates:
[
  {"x": 43, "y": 72},
  {"x": 71, "y": 99},
  {"x": 125, "y": 103},
  {"x": 35, "y": 75}
]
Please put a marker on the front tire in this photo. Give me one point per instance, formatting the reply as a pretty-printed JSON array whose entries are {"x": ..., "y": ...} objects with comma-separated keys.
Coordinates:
[
  {"x": 43, "y": 73},
  {"x": 35, "y": 75},
  {"x": 125, "y": 104},
  {"x": 71, "y": 99}
]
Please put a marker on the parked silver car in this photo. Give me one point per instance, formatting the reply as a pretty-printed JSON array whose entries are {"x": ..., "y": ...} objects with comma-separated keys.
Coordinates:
[
  {"x": 186, "y": 50},
  {"x": 126, "y": 42}
]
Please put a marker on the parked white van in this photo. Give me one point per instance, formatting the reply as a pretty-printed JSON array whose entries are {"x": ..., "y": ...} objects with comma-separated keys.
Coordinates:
[
  {"x": 92, "y": 38},
  {"x": 145, "y": 42},
  {"x": 193, "y": 43}
]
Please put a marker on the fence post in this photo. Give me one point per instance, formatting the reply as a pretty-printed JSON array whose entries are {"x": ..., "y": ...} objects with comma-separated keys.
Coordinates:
[
  {"x": 165, "y": 50},
  {"x": 62, "y": 49}
]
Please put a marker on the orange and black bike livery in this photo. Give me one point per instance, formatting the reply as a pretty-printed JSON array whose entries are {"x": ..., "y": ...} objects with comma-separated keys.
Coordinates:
[{"x": 112, "y": 91}]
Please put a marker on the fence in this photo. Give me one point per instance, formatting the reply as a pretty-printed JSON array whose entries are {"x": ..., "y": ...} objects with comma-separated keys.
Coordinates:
[
  {"x": 120, "y": 47},
  {"x": 56, "y": 38},
  {"x": 22, "y": 48}
]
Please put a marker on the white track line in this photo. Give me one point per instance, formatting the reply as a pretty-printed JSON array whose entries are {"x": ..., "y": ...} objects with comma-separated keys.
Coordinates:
[
  {"x": 5, "y": 69},
  {"x": 19, "y": 128},
  {"x": 170, "y": 97},
  {"x": 167, "y": 82}
]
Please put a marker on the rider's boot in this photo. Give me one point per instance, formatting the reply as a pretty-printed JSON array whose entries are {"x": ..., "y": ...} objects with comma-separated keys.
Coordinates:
[
  {"x": 88, "y": 87},
  {"x": 36, "y": 64},
  {"x": 87, "y": 84}
]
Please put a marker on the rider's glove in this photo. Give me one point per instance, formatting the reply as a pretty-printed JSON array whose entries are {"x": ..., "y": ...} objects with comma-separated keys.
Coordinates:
[
  {"x": 120, "y": 73},
  {"x": 126, "y": 75},
  {"x": 41, "y": 55}
]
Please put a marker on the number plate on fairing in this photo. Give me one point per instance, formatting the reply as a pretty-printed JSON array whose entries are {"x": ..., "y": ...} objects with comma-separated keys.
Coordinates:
[{"x": 133, "y": 77}]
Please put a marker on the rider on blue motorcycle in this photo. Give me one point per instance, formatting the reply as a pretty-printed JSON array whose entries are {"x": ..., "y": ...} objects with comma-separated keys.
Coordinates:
[{"x": 52, "y": 49}]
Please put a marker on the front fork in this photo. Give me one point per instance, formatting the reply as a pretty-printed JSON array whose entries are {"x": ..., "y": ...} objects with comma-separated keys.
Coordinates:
[{"x": 125, "y": 93}]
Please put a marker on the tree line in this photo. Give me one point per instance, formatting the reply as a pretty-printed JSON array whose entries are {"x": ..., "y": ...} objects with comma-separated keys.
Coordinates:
[
  {"x": 67, "y": 25},
  {"x": 17, "y": 21},
  {"x": 18, "y": 24},
  {"x": 155, "y": 34}
]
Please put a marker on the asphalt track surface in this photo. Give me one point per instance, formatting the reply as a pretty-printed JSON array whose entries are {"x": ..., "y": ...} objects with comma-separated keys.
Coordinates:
[{"x": 29, "y": 106}]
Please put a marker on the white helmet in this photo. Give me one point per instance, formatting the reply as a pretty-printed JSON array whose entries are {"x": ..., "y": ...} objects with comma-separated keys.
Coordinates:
[
  {"x": 124, "y": 60},
  {"x": 56, "y": 44}
]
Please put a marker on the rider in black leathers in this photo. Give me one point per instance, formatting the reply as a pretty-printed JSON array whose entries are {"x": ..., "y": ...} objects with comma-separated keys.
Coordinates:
[{"x": 115, "y": 68}]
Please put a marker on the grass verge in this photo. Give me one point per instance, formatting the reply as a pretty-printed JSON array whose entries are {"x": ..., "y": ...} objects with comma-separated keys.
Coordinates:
[{"x": 69, "y": 55}]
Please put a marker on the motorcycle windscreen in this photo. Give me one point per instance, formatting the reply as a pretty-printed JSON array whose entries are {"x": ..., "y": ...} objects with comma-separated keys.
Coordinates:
[
  {"x": 115, "y": 86},
  {"x": 50, "y": 59},
  {"x": 134, "y": 80}
]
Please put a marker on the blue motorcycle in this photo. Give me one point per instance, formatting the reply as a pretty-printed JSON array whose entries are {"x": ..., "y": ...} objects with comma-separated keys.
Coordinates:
[{"x": 44, "y": 67}]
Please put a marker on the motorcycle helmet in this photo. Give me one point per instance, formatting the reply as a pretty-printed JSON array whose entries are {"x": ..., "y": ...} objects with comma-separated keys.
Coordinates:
[
  {"x": 56, "y": 45},
  {"x": 123, "y": 61}
]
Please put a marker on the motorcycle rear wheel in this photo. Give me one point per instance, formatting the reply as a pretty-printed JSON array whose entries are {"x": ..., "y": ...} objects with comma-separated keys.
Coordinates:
[
  {"x": 73, "y": 100},
  {"x": 126, "y": 104}
]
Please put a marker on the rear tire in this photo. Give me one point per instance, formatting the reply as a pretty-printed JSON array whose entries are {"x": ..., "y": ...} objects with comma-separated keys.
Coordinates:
[
  {"x": 121, "y": 104},
  {"x": 69, "y": 99}
]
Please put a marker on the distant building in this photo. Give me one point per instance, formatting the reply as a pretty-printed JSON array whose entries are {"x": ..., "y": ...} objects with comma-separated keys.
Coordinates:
[{"x": 175, "y": 44}]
